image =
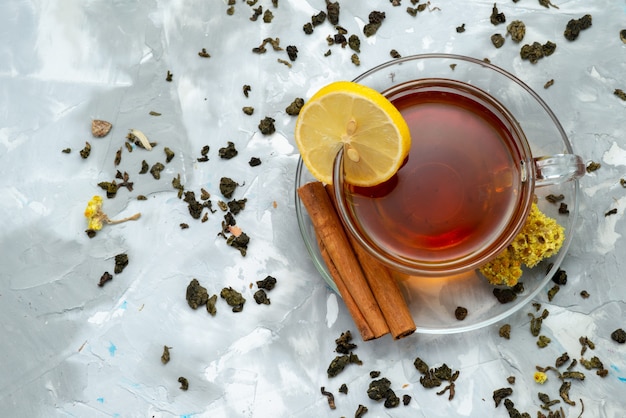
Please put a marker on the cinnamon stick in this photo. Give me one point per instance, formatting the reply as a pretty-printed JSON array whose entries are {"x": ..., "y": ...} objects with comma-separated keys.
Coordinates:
[
  {"x": 330, "y": 232},
  {"x": 384, "y": 287},
  {"x": 355, "y": 313}
]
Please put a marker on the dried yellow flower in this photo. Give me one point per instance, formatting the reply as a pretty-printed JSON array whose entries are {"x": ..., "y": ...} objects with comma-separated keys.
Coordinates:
[
  {"x": 96, "y": 218},
  {"x": 540, "y": 377},
  {"x": 541, "y": 237}
]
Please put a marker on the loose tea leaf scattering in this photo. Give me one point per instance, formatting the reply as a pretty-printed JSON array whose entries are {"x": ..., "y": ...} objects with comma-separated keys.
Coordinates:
[{"x": 184, "y": 383}]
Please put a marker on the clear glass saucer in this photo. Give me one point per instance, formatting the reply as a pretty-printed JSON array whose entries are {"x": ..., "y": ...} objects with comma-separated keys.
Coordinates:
[{"x": 433, "y": 300}]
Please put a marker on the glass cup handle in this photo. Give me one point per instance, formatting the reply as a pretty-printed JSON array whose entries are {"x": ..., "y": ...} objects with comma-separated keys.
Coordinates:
[{"x": 558, "y": 168}]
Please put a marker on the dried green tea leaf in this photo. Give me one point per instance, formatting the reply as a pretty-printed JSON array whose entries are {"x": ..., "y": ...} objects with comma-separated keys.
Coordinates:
[
  {"x": 110, "y": 187},
  {"x": 233, "y": 298},
  {"x": 266, "y": 126},
  {"x": 260, "y": 297},
  {"x": 294, "y": 107},
  {"x": 106, "y": 277},
  {"x": 84, "y": 153},
  {"x": 574, "y": 26},
  {"x": 553, "y": 291},
  {"x": 500, "y": 394},
  {"x": 228, "y": 152},
  {"x": 184, "y": 383},
  {"x": 421, "y": 365},
  {"x": 338, "y": 364},
  {"x": 505, "y": 331},
  {"x": 165, "y": 357},
  {"x": 375, "y": 20},
  {"x": 619, "y": 336},
  {"x": 332, "y": 9},
  {"x": 227, "y": 186},
  {"x": 497, "y": 40},
  {"x": 378, "y": 389},
  {"x": 343, "y": 342},
  {"x": 144, "y": 167},
  {"x": 121, "y": 262},
  {"x": 460, "y": 313},
  {"x": 496, "y": 17},
  {"x": 543, "y": 341},
  {"x": 210, "y": 305},
  {"x": 169, "y": 154},
  {"x": 292, "y": 52},
  {"x": 517, "y": 30},
  {"x": 360, "y": 411},
  {"x": 268, "y": 284},
  {"x": 156, "y": 169},
  {"x": 196, "y": 294},
  {"x": 240, "y": 242},
  {"x": 354, "y": 42},
  {"x": 504, "y": 295},
  {"x": 330, "y": 397}
]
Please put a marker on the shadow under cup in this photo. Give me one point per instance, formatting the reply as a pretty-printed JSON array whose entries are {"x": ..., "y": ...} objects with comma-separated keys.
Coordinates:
[{"x": 466, "y": 187}]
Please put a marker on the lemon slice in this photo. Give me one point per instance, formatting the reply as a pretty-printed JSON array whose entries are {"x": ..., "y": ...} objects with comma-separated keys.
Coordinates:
[{"x": 373, "y": 133}]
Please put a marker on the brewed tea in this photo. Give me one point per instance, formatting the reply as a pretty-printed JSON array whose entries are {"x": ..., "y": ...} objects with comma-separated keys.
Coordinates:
[{"x": 460, "y": 185}]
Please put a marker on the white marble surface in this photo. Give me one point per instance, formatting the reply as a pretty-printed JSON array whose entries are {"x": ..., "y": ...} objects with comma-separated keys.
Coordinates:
[{"x": 71, "y": 348}]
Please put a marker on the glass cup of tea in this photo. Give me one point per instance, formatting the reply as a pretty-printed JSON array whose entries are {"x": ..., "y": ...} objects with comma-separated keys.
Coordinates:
[{"x": 468, "y": 183}]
